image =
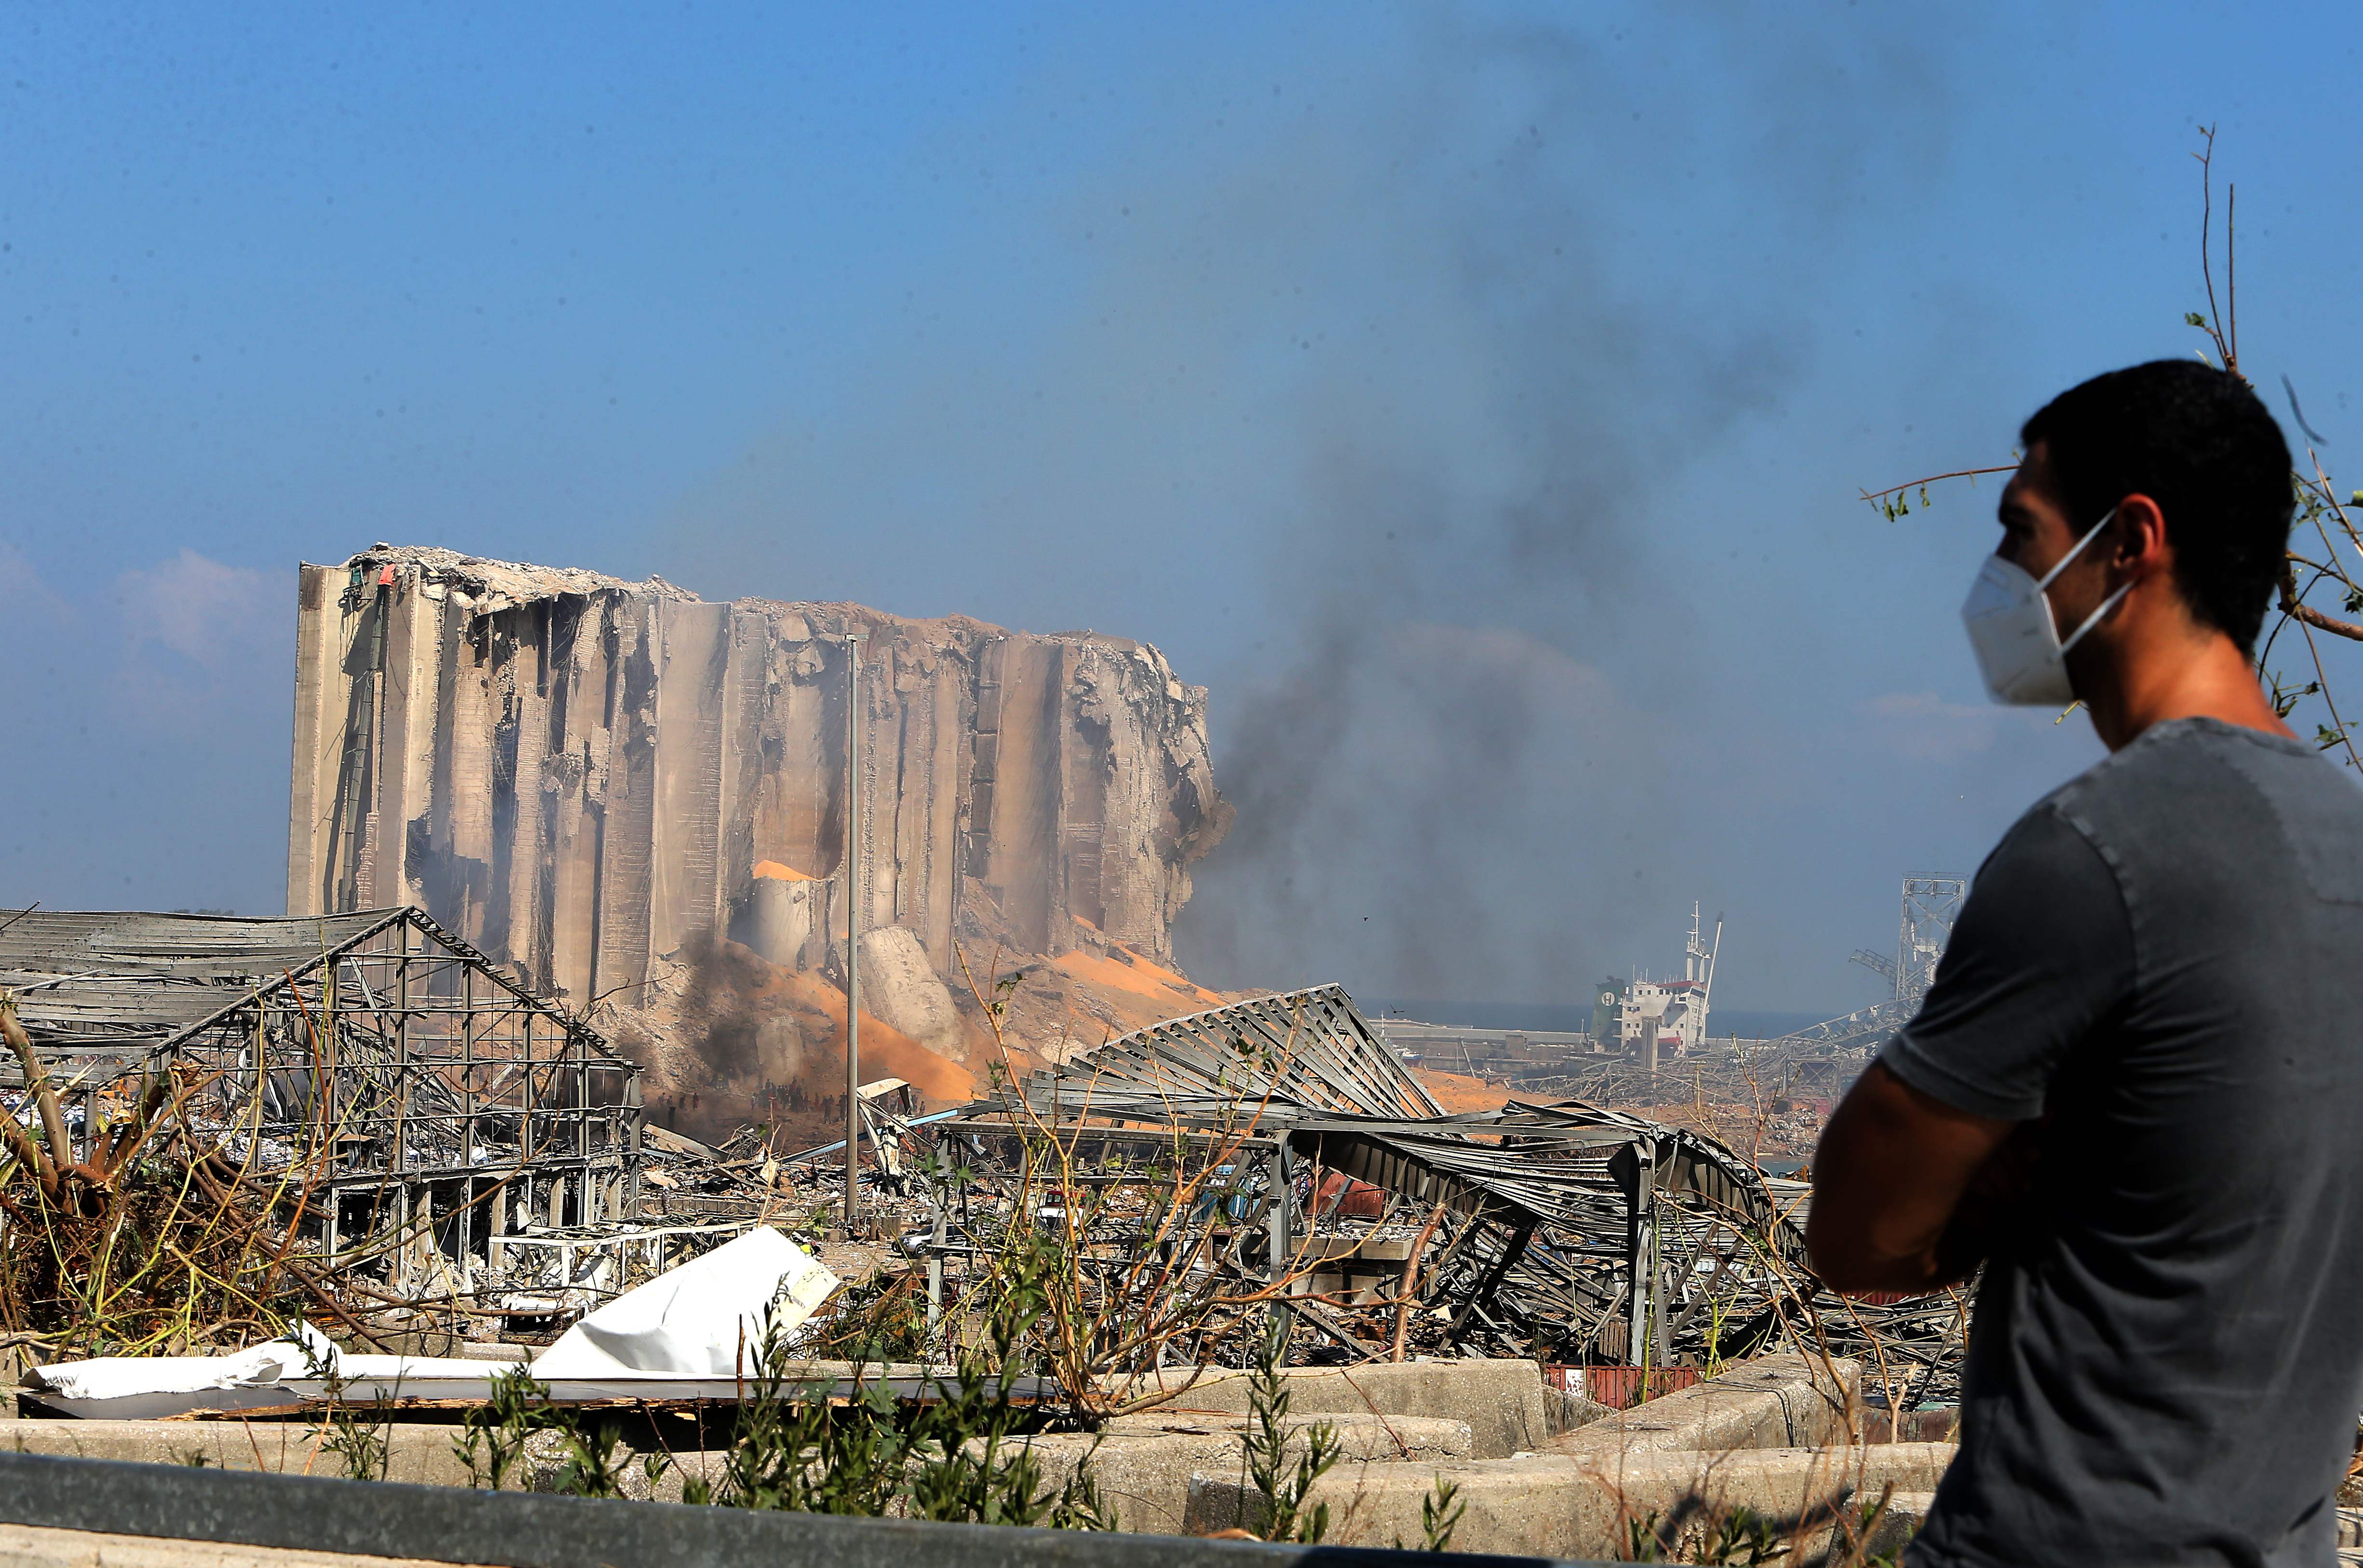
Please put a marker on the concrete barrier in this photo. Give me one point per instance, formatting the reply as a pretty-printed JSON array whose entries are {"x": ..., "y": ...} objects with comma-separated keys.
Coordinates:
[
  {"x": 1527, "y": 1499},
  {"x": 1144, "y": 1465},
  {"x": 69, "y": 1511},
  {"x": 1771, "y": 1436},
  {"x": 1768, "y": 1435},
  {"x": 1775, "y": 1401},
  {"x": 1564, "y": 1411},
  {"x": 419, "y": 1452},
  {"x": 1548, "y": 1505},
  {"x": 1500, "y": 1400},
  {"x": 1811, "y": 1498},
  {"x": 1904, "y": 1514}
]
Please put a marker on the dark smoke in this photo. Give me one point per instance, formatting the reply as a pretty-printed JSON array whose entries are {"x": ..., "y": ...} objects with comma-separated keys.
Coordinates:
[
  {"x": 1467, "y": 777},
  {"x": 718, "y": 1010},
  {"x": 708, "y": 1076},
  {"x": 1378, "y": 395}
]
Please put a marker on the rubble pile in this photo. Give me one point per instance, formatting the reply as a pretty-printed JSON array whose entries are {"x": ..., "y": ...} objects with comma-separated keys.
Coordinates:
[
  {"x": 420, "y": 1144},
  {"x": 1273, "y": 1155}
]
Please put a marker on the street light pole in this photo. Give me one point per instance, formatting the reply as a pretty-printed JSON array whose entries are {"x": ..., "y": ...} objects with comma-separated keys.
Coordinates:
[{"x": 852, "y": 932}]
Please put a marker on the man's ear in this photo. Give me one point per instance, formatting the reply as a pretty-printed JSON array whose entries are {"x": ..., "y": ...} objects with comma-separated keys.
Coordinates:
[{"x": 2141, "y": 543}]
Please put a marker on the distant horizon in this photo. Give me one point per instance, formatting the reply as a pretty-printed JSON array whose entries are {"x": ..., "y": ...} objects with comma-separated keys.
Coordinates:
[
  {"x": 1571, "y": 1017},
  {"x": 1555, "y": 1017}
]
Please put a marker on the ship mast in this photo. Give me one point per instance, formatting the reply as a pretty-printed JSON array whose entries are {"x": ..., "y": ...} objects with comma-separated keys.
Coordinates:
[{"x": 1706, "y": 992}]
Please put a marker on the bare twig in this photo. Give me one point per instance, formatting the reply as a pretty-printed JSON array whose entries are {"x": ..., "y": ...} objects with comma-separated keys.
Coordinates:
[
  {"x": 1876, "y": 496},
  {"x": 2227, "y": 337},
  {"x": 1411, "y": 1280},
  {"x": 38, "y": 1087}
]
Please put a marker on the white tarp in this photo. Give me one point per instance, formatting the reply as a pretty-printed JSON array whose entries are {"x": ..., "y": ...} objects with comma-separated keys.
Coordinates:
[
  {"x": 111, "y": 1377},
  {"x": 304, "y": 1354},
  {"x": 693, "y": 1320},
  {"x": 689, "y": 1322}
]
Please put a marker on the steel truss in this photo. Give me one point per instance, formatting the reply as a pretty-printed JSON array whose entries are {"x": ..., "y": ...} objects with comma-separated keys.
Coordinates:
[
  {"x": 416, "y": 1100},
  {"x": 1565, "y": 1231}
]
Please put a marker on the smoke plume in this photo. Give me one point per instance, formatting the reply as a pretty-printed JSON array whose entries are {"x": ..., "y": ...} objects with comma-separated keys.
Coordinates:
[
  {"x": 1472, "y": 772},
  {"x": 1382, "y": 405}
]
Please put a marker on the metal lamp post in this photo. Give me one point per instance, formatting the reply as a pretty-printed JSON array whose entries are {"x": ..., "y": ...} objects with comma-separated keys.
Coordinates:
[{"x": 852, "y": 933}]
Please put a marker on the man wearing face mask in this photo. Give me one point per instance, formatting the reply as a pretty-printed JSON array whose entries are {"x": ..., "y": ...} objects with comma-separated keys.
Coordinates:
[{"x": 2134, "y": 1093}]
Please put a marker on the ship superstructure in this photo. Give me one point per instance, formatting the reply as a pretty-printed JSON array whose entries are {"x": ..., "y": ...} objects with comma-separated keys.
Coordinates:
[{"x": 1654, "y": 1020}]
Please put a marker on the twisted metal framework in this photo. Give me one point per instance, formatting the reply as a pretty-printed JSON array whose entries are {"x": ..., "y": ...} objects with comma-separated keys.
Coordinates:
[
  {"x": 1305, "y": 1051},
  {"x": 371, "y": 1063},
  {"x": 1566, "y": 1230}
]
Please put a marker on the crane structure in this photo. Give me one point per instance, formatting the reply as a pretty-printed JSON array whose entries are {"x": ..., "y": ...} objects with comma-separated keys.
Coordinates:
[{"x": 1931, "y": 905}]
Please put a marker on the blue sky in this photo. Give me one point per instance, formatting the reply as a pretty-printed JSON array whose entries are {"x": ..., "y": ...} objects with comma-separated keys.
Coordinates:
[{"x": 1474, "y": 398}]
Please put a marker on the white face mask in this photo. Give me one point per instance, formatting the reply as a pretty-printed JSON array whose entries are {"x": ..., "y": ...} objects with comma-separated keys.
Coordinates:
[{"x": 2017, "y": 641}]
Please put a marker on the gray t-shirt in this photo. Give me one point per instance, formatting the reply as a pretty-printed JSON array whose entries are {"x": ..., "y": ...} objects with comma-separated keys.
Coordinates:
[{"x": 2163, "y": 962}]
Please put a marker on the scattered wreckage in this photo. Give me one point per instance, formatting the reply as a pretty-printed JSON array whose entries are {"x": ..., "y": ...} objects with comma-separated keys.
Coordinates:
[
  {"x": 394, "y": 1104},
  {"x": 1276, "y": 1155},
  {"x": 679, "y": 1339},
  {"x": 411, "y": 1139}
]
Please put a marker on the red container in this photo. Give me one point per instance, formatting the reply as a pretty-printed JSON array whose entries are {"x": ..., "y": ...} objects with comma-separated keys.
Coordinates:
[{"x": 1341, "y": 1197}]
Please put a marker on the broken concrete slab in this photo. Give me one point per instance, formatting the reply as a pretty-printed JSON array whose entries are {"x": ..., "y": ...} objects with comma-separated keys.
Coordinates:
[
  {"x": 1502, "y": 1400},
  {"x": 900, "y": 985},
  {"x": 1777, "y": 1401},
  {"x": 420, "y": 1452},
  {"x": 1144, "y": 1465}
]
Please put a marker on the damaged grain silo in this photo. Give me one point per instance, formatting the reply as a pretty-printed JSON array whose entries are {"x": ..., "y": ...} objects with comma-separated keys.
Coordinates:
[
  {"x": 639, "y": 799},
  {"x": 587, "y": 777}
]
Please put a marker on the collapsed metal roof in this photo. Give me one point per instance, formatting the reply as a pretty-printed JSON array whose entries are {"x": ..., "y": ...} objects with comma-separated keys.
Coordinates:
[
  {"x": 126, "y": 984},
  {"x": 1579, "y": 1232},
  {"x": 394, "y": 1099}
]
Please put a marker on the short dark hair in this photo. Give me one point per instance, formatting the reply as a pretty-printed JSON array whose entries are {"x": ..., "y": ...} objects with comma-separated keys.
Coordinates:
[{"x": 2198, "y": 442}]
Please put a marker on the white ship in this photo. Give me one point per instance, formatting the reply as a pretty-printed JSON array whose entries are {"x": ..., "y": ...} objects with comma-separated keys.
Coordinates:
[{"x": 1654, "y": 1020}]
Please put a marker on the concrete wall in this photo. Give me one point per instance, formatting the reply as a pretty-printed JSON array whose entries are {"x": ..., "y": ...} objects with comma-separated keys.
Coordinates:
[
  {"x": 1145, "y": 1466},
  {"x": 26, "y": 1546},
  {"x": 581, "y": 775},
  {"x": 1774, "y": 1435},
  {"x": 419, "y": 1452},
  {"x": 1501, "y": 1401}
]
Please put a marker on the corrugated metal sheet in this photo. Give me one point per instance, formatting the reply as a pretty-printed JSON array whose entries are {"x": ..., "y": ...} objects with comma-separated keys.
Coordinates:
[
  {"x": 1575, "y": 1230},
  {"x": 131, "y": 981}
]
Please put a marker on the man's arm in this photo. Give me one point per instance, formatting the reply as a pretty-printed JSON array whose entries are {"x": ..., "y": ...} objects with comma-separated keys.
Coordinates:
[
  {"x": 1932, "y": 1151},
  {"x": 1907, "y": 1188}
]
